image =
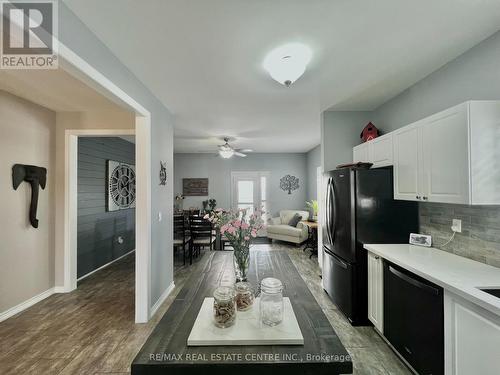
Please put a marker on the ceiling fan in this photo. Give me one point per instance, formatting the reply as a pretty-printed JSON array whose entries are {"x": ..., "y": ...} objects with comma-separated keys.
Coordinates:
[{"x": 227, "y": 151}]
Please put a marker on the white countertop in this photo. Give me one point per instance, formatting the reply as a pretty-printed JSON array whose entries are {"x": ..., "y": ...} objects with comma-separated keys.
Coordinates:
[{"x": 457, "y": 274}]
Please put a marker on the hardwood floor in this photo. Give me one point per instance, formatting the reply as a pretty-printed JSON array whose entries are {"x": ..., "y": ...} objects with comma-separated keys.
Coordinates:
[{"x": 92, "y": 330}]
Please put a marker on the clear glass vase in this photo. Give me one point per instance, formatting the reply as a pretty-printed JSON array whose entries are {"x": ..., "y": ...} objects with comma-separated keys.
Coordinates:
[{"x": 241, "y": 259}]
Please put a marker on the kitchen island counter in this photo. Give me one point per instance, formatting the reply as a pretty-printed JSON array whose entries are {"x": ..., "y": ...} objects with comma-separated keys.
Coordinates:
[
  {"x": 461, "y": 276},
  {"x": 166, "y": 349}
]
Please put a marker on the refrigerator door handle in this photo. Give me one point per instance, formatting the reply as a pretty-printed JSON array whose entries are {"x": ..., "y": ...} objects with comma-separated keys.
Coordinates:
[
  {"x": 333, "y": 207},
  {"x": 328, "y": 212},
  {"x": 336, "y": 259}
]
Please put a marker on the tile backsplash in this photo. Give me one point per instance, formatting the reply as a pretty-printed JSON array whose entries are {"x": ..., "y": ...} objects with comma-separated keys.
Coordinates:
[{"x": 480, "y": 237}]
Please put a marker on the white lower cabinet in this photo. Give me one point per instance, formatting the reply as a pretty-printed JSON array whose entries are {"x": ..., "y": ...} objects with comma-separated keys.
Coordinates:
[
  {"x": 376, "y": 291},
  {"x": 472, "y": 338}
]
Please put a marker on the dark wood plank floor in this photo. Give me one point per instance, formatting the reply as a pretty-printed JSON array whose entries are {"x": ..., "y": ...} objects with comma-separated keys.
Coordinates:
[{"x": 91, "y": 330}]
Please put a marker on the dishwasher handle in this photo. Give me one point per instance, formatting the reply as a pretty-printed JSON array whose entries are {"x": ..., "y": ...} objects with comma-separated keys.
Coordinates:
[{"x": 414, "y": 282}]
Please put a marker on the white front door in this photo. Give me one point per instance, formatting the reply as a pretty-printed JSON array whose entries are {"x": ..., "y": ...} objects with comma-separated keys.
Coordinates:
[{"x": 249, "y": 191}]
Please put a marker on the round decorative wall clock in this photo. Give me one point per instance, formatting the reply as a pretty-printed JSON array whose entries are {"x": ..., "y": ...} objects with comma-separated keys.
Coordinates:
[{"x": 121, "y": 186}]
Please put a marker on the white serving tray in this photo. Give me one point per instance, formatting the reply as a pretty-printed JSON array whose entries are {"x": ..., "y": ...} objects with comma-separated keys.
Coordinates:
[{"x": 247, "y": 330}]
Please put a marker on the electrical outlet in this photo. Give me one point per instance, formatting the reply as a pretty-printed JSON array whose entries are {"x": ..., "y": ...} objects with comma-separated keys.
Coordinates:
[{"x": 456, "y": 225}]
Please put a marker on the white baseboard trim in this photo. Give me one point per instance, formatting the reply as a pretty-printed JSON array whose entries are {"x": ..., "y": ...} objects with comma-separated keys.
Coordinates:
[
  {"x": 104, "y": 266},
  {"x": 162, "y": 299},
  {"x": 62, "y": 289},
  {"x": 26, "y": 304}
]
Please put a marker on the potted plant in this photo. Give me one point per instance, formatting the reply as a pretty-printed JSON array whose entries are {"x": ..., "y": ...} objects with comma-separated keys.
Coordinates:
[
  {"x": 205, "y": 205},
  {"x": 179, "y": 198},
  {"x": 313, "y": 205},
  {"x": 212, "y": 203},
  {"x": 239, "y": 227}
]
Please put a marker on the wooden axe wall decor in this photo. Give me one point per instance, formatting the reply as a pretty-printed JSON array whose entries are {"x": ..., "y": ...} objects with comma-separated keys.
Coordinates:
[{"x": 35, "y": 176}]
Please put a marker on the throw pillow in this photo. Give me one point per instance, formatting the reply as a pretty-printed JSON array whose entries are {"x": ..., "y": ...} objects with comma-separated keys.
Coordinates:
[{"x": 295, "y": 220}]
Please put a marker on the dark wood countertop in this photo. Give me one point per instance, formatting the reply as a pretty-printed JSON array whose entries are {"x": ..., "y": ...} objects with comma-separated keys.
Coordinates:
[{"x": 166, "y": 349}]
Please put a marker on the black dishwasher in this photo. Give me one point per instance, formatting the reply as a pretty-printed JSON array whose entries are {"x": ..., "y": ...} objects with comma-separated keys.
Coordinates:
[{"x": 413, "y": 319}]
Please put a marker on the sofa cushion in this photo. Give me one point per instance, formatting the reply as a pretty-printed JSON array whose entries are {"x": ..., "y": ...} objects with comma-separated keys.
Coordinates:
[
  {"x": 295, "y": 220},
  {"x": 284, "y": 230},
  {"x": 286, "y": 215}
]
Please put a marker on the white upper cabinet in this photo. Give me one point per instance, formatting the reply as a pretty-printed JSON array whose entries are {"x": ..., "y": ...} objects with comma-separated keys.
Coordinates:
[
  {"x": 450, "y": 157},
  {"x": 381, "y": 151},
  {"x": 407, "y": 164},
  {"x": 484, "y": 146},
  {"x": 361, "y": 153},
  {"x": 378, "y": 151},
  {"x": 446, "y": 157}
]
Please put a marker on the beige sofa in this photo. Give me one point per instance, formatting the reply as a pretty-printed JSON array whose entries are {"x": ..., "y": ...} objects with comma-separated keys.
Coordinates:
[{"x": 278, "y": 228}]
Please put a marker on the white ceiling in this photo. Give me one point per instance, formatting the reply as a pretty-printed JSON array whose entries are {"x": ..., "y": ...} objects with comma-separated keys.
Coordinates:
[
  {"x": 66, "y": 93},
  {"x": 203, "y": 59}
]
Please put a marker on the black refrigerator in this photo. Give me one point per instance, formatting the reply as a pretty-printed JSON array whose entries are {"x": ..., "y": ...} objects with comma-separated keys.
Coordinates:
[{"x": 360, "y": 209}]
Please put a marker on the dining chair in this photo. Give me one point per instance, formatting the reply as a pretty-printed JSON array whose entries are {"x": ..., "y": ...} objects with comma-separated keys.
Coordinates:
[
  {"x": 201, "y": 233},
  {"x": 181, "y": 235}
]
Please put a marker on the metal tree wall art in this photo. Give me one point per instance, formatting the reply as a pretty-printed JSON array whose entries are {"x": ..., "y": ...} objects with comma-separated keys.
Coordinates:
[{"x": 289, "y": 183}]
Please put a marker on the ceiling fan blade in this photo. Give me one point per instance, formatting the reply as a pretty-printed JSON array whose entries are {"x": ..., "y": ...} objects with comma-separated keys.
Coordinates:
[{"x": 240, "y": 154}]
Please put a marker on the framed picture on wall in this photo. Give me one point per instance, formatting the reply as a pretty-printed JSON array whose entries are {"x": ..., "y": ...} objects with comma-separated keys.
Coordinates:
[
  {"x": 195, "y": 187},
  {"x": 120, "y": 186}
]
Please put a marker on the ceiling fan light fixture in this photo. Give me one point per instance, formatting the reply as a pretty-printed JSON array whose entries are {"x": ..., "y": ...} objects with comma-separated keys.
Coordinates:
[
  {"x": 226, "y": 153},
  {"x": 287, "y": 63}
]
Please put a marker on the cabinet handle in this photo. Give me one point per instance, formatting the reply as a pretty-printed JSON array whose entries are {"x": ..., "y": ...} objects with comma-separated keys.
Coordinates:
[
  {"x": 424, "y": 198},
  {"x": 418, "y": 197},
  {"x": 377, "y": 257}
]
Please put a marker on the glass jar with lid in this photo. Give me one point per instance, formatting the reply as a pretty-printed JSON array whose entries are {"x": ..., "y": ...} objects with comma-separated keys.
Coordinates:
[
  {"x": 244, "y": 295},
  {"x": 224, "y": 307},
  {"x": 271, "y": 301}
]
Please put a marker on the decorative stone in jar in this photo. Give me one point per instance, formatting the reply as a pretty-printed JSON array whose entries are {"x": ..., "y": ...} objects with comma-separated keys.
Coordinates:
[
  {"x": 244, "y": 296},
  {"x": 224, "y": 307},
  {"x": 271, "y": 301}
]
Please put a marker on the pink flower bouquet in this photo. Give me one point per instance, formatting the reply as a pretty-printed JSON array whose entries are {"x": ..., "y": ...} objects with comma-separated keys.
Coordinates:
[{"x": 239, "y": 227}]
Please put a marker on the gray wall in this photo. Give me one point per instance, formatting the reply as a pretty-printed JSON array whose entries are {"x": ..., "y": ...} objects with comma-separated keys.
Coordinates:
[
  {"x": 74, "y": 34},
  {"x": 339, "y": 134},
  {"x": 313, "y": 160},
  {"x": 218, "y": 171},
  {"x": 473, "y": 75},
  {"x": 98, "y": 229}
]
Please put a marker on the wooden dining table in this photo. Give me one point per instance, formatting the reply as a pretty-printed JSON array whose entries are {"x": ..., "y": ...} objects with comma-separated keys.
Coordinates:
[{"x": 166, "y": 350}]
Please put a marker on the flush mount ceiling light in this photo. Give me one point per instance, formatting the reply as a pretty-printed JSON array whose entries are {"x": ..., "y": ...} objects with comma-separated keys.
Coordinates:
[{"x": 287, "y": 63}]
